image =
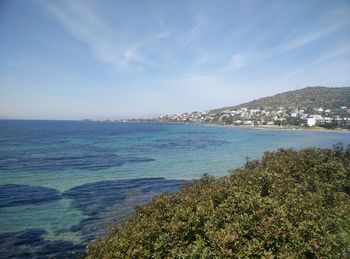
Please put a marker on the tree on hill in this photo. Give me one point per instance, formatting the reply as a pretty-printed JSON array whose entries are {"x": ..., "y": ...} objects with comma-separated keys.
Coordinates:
[{"x": 290, "y": 204}]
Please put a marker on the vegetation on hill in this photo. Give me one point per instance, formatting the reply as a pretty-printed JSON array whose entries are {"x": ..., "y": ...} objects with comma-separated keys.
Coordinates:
[
  {"x": 290, "y": 204},
  {"x": 309, "y": 97}
]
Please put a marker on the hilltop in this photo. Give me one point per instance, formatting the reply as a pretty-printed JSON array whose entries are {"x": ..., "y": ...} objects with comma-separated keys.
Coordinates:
[{"x": 309, "y": 97}]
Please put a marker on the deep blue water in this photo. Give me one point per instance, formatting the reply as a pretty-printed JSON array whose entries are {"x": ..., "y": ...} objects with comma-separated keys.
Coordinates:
[{"x": 63, "y": 183}]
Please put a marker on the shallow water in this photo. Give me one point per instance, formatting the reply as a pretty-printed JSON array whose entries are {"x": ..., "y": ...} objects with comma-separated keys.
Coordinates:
[{"x": 63, "y": 183}]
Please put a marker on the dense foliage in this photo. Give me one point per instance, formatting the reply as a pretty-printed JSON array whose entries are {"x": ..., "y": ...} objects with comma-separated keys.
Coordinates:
[
  {"x": 290, "y": 204},
  {"x": 309, "y": 97}
]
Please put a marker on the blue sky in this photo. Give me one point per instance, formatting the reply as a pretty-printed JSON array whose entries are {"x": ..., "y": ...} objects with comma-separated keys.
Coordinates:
[{"x": 103, "y": 59}]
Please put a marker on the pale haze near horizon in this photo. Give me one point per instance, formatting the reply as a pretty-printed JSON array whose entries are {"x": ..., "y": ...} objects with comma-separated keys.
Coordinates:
[{"x": 110, "y": 59}]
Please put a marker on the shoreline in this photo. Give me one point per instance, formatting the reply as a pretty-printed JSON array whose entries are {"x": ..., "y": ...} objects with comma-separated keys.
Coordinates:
[
  {"x": 260, "y": 127},
  {"x": 286, "y": 128}
]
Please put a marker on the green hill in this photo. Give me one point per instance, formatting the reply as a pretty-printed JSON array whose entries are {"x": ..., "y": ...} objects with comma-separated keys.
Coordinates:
[
  {"x": 291, "y": 204},
  {"x": 309, "y": 97}
]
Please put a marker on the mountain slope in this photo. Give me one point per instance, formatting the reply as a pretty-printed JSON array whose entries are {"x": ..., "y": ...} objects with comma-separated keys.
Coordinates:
[{"x": 309, "y": 97}]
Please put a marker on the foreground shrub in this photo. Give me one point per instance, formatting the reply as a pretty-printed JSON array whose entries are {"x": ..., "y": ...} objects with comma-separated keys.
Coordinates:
[{"x": 291, "y": 204}]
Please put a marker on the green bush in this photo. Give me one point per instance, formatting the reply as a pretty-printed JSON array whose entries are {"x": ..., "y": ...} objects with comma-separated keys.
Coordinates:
[{"x": 290, "y": 204}]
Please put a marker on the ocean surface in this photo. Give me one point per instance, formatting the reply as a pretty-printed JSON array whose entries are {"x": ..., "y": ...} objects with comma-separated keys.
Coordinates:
[{"x": 63, "y": 183}]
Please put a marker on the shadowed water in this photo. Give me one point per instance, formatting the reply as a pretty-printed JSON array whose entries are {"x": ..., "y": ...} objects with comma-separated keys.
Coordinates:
[
  {"x": 30, "y": 243},
  {"x": 99, "y": 201},
  {"x": 62, "y": 184},
  {"x": 87, "y": 162},
  {"x": 17, "y": 195}
]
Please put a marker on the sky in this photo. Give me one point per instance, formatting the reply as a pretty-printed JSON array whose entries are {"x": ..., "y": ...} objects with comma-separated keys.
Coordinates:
[{"x": 74, "y": 59}]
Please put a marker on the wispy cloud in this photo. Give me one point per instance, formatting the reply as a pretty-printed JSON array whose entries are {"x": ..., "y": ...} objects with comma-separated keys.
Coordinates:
[
  {"x": 85, "y": 24},
  {"x": 309, "y": 38},
  {"x": 194, "y": 30},
  {"x": 199, "y": 78},
  {"x": 326, "y": 57},
  {"x": 239, "y": 60},
  {"x": 165, "y": 33},
  {"x": 131, "y": 56},
  {"x": 209, "y": 85}
]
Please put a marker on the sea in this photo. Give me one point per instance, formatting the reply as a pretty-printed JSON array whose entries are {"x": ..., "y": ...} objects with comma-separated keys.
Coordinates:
[{"x": 64, "y": 184}]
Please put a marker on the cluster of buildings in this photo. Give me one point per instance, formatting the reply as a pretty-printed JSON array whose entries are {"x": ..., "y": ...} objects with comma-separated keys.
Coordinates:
[{"x": 324, "y": 117}]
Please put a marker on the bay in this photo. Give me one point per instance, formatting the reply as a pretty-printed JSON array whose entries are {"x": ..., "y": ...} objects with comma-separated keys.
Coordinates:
[{"x": 63, "y": 183}]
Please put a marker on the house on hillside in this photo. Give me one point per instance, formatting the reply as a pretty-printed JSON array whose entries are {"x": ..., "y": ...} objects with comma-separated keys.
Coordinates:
[{"x": 311, "y": 121}]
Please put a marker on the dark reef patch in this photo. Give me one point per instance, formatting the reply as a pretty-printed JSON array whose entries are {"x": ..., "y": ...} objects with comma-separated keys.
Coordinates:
[
  {"x": 110, "y": 202},
  {"x": 92, "y": 198},
  {"x": 200, "y": 142},
  {"x": 105, "y": 203},
  {"x": 16, "y": 195},
  {"x": 30, "y": 243},
  {"x": 86, "y": 162}
]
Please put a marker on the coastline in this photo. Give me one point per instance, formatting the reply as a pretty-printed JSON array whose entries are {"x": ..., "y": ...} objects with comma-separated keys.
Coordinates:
[
  {"x": 288, "y": 128},
  {"x": 252, "y": 127}
]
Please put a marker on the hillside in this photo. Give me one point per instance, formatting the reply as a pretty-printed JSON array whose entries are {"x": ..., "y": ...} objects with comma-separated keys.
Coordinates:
[
  {"x": 309, "y": 97},
  {"x": 291, "y": 204},
  {"x": 312, "y": 106}
]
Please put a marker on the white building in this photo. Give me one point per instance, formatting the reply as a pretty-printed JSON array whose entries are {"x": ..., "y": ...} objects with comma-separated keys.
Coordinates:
[
  {"x": 316, "y": 116},
  {"x": 311, "y": 121}
]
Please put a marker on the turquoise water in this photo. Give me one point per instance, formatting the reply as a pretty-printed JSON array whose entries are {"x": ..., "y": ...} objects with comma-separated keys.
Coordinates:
[{"x": 63, "y": 183}]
